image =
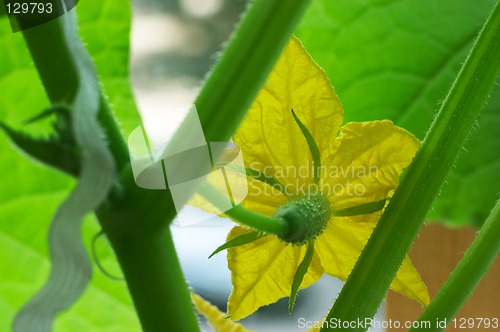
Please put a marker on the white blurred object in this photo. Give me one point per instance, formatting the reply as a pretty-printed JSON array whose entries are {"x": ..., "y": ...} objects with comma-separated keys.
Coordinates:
[
  {"x": 163, "y": 33},
  {"x": 203, "y": 8}
]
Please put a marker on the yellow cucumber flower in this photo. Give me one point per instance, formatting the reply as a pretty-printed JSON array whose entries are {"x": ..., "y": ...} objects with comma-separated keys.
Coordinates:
[{"x": 331, "y": 182}]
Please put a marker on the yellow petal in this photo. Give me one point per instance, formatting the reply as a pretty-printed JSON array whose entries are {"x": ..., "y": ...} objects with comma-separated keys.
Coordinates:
[
  {"x": 269, "y": 136},
  {"x": 262, "y": 272},
  {"x": 341, "y": 244},
  {"x": 409, "y": 283},
  {"x": 216, "y": 318},
  {"x": 366, "y": 161}
]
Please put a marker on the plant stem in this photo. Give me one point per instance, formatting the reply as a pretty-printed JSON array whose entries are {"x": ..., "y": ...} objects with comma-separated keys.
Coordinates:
[
  {"x": 252, "y": 219},
  {"x": 467, "y": 275},
  {"x": 245, "y": 65},
  {"x": 59, "y": 76},
  {"x": 396, "y": 230},
  {"x": 150, "y": 265},
  {"x": 139, "y": 235}
]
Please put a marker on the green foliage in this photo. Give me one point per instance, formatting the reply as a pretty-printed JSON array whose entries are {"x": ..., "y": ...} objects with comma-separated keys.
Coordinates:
[
  {"x": 238, "y": 241},
  {"x": 24, "y": 256},
  {"x": 396, "y": 60},
  {"x": 313, "y": 147},
  {"x": 59, "y": 151},
  {"x": 299, "y": 275}
]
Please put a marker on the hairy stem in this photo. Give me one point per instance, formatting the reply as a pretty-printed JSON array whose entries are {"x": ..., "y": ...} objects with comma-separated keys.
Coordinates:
[
  {"x": 59, "y": 77},
  {"x": 393, "y": 236},
  {"x": 245, "y": 65},
  {"x": 261, "y": 223},
  {"x": 150, "y": 265}
]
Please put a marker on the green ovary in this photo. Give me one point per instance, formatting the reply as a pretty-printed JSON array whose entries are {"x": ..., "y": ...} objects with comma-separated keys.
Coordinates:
[{"x": 306, "y": 218}]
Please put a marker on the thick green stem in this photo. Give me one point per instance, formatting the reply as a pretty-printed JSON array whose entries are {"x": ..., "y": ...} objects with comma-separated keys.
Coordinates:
[
  {"x": 393, "y": 236},
  {"x": 466, "y": 276},
  {"x": 154, "y": 276},
  {"x": 59, "y": 76},
  {"x": 141, "y": 239},
  {"x": 136, "y": 224}
]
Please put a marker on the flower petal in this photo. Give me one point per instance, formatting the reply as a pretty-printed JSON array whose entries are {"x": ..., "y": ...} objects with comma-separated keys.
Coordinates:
[
  {"x": 216, "y": 318},
  {"x": 269, "y": 136},
  {"x": 409, "y": 283},
  {"x": 262, "y": 272},
  {"x": 366, "y": 161},
  {"x": 341, "y": 244}
]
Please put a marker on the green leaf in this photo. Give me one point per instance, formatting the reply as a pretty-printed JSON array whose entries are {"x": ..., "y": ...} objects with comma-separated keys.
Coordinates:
[
  {"x": 391, "y": 239},
  {"x": 105, "y": 29},
  {"x": 53, "y": 151},
  {"x": 396, "y": 60},
  {"x": 238, "y": 241},
  {"x": 299, "y": 275},
  {"x": 361, "y": 209},
  {"x": 313, "y": 147}
]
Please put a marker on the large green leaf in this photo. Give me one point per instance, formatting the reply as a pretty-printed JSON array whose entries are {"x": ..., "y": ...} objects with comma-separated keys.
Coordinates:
[
  {"x": 396, "y": 60},
  {"x": 30, "y": 193}
]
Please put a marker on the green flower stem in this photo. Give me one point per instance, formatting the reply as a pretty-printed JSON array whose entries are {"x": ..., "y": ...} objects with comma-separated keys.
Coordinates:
[
  {"x": 252, "y": 219},
  {"x": 394, "y": 234},
  {"x": 136, "y": 223},
  {"x": 466, "y": 276}
]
